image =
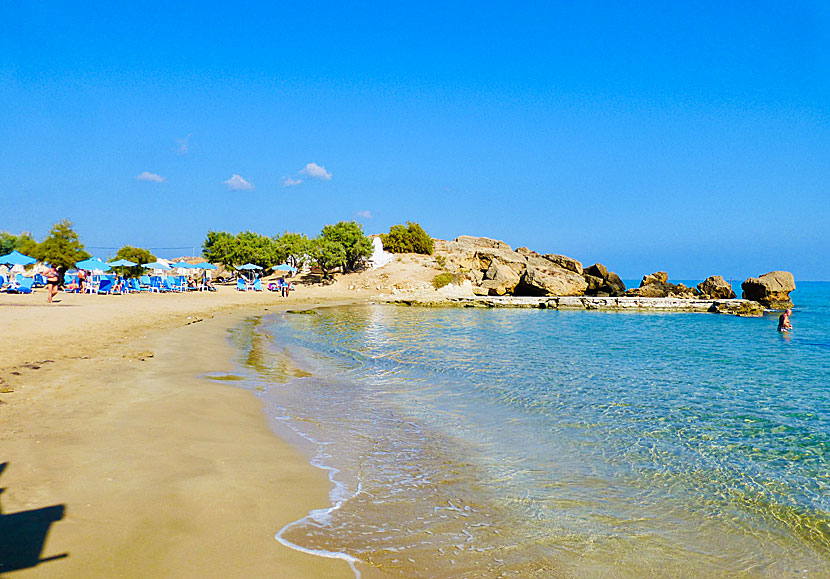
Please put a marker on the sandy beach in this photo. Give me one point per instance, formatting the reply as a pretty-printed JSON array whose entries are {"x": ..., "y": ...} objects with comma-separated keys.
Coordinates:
[{"x": 144, "y": 469}]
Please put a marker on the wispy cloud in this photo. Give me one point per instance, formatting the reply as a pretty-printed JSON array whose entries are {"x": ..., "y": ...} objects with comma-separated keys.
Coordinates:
[
  {"x": 289, "y": 182},
  {"x": 152, "y": 177},
  {"x": 364, "y": 214},
  {"x": 315, "y": 171},
  {"x": 237, "y": 183},
  {"x": 183, "y": 145}
]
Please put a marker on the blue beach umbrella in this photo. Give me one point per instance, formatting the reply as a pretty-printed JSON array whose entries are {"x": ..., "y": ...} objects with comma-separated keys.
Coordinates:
[
  {"x": 122, "y": 263},
  {"x": 92, "y": 264},
  {"x": 17, "y": 258},
  {"x": 157, "y": 265},
  {"x": 205, "y": 265},
  {"x": 248, "y": 266},
  {"x": 285, "y": 267}
]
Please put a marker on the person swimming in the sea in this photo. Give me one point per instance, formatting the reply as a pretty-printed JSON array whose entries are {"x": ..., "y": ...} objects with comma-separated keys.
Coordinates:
[{"x": 784, "y": 324}]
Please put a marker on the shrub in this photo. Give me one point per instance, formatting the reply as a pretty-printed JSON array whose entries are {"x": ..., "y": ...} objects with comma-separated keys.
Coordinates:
[
  {"x": 446, "y": 278},
  {"x": 409, "y": 238}
]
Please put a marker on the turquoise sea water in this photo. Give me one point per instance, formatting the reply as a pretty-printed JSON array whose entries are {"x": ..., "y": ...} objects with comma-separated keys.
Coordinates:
[{"x": 540, "y": 443}]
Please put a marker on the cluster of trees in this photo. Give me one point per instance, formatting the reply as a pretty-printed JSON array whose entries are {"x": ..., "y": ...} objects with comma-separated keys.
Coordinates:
[
  {"x": 342, "y": 245},
  {"x": 409, "y": 238},
  {"x": 61, "y": 248}
]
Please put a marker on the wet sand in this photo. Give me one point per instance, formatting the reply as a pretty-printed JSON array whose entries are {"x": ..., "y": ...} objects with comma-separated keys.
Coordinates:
[{"x": 152, "y": 472}]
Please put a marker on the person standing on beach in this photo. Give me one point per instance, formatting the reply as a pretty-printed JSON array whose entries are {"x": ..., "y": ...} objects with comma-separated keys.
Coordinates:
[
  {"x": 784, "y": 324},
  {"x": 52, "y": 281}
]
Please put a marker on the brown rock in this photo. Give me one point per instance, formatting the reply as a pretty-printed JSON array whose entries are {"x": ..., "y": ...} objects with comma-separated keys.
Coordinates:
[
  {"x": 772, "y": 290},
  {"x": 484, "y": 242},
  {"x": 596, "y": 270},
  {"x": 656, "y": 277},
  {"x": 553, "y": 281},
  {"x": 565, "y": 262},
  {"x": 716, "y": 288}
]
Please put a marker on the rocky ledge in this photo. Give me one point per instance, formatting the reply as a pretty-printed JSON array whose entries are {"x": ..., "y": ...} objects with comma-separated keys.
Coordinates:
[
  {"x": 494, "y": 269},
  {"x": 735, "y": 307}
]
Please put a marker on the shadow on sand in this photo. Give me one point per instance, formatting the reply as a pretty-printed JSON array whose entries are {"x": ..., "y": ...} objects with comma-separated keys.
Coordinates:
[{"x": 23, "y": 535}]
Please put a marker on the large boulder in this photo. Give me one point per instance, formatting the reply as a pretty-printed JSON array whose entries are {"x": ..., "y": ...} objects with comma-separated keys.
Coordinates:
[
  {"x": 565, "y": 262},
  {"x": 552, "y": 281},
  {"x": 772, "y": 290},
  {"x": 601, "y": 282},
  {"x": 716, "y": 288},
  {"x": 656, "y": 277},
  {"x": 656, "y": 285},
  {"x": 500, "y": 279}
]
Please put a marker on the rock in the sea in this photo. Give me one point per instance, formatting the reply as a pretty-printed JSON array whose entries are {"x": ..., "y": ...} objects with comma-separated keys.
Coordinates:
[
  {"x": 742, "y": 308},
  {"x": 656, "y": 285},
  {"x": 772, "y": 290},
  {"x": 602, "y": 282},
  {"x": 656, "y": 277},
  {"x": 716, "y": 288}
]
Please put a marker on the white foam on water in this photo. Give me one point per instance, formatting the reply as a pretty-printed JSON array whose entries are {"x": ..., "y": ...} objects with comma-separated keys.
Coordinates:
[{"x": 338, "y": 495}]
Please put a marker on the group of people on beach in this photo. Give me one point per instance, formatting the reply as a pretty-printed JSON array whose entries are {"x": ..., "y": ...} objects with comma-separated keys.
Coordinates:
[{"x": 283, "y": 286}]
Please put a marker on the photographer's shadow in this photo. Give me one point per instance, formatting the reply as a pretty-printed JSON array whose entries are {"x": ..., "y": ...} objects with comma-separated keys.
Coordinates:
[{"x": 23, "y": 535}]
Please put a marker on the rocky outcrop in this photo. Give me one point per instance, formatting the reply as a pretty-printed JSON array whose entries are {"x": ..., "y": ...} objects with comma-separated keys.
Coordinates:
[
  {"x": 496, "y": 270},
  {"x": 772, "y": 290},
  {"x": 602, "y": 282},
  {"x": 716, "y": 288},
  {"x": 656, "y": 285}
]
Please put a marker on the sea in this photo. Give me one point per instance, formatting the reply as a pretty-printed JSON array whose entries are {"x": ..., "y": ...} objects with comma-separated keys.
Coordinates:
[{"x": 466, "y": 442}]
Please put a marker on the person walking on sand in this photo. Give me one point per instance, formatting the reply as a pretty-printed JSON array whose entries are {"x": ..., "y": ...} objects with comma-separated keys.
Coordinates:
[
  {"x": 52, "y": 280},
  {"x": 784, "y": 324}
]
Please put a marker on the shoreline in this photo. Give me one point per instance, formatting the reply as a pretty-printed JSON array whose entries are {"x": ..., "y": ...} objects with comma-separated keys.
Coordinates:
[{"x": 147, "y": 463}]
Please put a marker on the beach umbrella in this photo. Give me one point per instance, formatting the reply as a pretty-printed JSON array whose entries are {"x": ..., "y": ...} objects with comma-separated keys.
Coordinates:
[
  {"x": 157, "y": 265},
  {"x": 17, "y": 258},
  {"x": 205, "y": 265},
  {"x": 123, "y": 263},
  {"x": 248, "y": 266},
  {"x": 93, "y": 264},
  {"x": 285, "y": 267}
]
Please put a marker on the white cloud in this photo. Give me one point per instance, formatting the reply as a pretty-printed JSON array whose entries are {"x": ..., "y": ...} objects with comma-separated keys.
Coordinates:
[
  {"x": 364, "y": 214},
  {"x": 315, "y": 171},
  {"x": 237, "y": 183},
  {"x": 289, "y": 182},
  {"x": 152, "y": 177},
  {"x": 184, "y": 145}
]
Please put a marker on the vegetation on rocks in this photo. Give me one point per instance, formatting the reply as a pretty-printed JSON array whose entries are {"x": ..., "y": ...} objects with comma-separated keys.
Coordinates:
[{"x": 446, "y": 278}]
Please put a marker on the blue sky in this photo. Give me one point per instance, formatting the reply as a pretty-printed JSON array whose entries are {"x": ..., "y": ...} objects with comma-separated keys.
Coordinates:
[{"x": 687, "y": 137}]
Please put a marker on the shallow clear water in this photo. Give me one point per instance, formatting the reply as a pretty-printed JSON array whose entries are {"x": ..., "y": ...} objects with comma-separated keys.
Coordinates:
[{"x": 540, "y": 443}]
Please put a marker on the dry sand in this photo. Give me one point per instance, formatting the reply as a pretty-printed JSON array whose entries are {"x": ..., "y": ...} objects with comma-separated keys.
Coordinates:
[{"x": 160, "y": 473}]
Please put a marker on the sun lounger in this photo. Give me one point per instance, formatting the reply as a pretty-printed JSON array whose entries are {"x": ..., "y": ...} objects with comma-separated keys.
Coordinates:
[
  {"x": 23, "y": 285},
  {"x": 241, "y": 285},
  {"x": 257, "y": 285},
  {"x": 105, "y": 285}
]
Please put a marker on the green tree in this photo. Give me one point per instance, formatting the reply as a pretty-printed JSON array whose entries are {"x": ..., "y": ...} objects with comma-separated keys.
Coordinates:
[
  {"x": 136, "y": 254},
  {"x": 328, "y": 255},
  {"x": 220, "y": 247},
  {"x": 409, "y": 238},
  {"x": 294, "y": 248},
  {"x": 258, "y": 249},
  {"x": 349, "y": 234},
  {"x": 62, "y": 247},
  {"x": 8, "y": 242},
  {"x": 26, "y": 244}
]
